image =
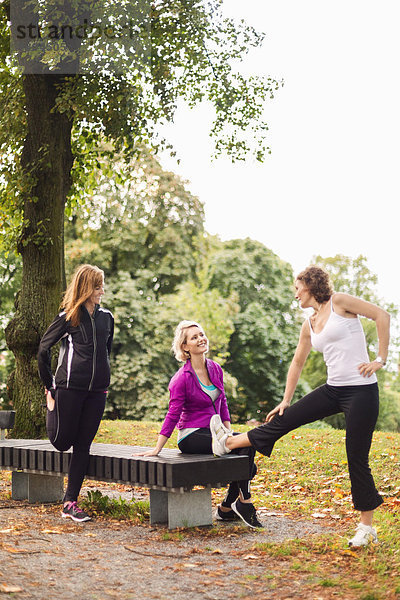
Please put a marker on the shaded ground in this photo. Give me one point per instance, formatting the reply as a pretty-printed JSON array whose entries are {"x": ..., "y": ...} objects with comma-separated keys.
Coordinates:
[{"x": 43, "y": 556}]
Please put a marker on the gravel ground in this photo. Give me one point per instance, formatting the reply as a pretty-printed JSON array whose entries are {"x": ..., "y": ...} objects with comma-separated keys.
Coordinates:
[{"x": 44, "y": 556}]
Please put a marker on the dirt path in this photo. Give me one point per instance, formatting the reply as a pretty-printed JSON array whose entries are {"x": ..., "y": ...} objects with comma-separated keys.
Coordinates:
[{"x": 45, "y": 557}]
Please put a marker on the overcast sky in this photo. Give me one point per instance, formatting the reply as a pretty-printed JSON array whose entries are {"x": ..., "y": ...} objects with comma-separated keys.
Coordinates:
[{"x": 331, "y": 184}]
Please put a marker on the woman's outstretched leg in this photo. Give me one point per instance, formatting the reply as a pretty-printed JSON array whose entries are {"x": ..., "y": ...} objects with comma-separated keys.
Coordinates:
[{"x": 314, "y": 406}]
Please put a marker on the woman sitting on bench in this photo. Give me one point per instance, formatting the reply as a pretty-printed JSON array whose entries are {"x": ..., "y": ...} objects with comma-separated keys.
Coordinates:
[{"x": 196, "y": 394}]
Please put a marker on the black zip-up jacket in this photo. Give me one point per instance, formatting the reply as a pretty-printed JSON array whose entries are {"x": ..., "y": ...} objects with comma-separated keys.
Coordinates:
[{"x": 84, "y": 359}]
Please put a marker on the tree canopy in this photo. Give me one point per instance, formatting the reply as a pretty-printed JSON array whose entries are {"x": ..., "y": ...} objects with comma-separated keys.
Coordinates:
[
  {"x": 239, "y": 291},
  {"x": 265, "y": 334},
  {"x": 67, "y": 103}
]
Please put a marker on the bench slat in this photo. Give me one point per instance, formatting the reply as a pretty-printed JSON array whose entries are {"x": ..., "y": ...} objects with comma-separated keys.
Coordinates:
[
  {"x": 116, "y": 468},
  {"x": 143, "y": 471},
  {"x": 100, "y": 466}
]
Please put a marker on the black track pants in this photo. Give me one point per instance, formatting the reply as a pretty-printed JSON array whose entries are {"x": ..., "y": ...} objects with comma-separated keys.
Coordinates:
[
  {"x": 199, "y": 442},
  {"x": 74, "y": 422},
  {"x": 360, "y": 405}
]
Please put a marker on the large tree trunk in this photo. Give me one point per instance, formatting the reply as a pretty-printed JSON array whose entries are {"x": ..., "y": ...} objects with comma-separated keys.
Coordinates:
[{"x": 47, "y": 158}]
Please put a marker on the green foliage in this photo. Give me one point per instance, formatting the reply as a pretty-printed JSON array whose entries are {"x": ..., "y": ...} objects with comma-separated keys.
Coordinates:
[
  {"x": 116, "y": 508},
  {"x": 389, "y": 409},
  {"x": 187, "y": 51},
  {"x": 57, "y": 132},
  {"x": 350, "y": 275},
  {"x": 152, "y": 285},
  {"x": 198, "y": 301},
  {"x": 259, "y": 358},
  {"x": 56, "y": 127},
  {"x": 314, "y": 372},
  {"x": 265, "y": 335},
  {"x": 144, "y": 234},
  {"x": 146, "y": 225},
  {"x": 142, "y": 364},
  {"x": 328, "y": 583},
  {"x": 10, "y": 281},
  {"x": 256, "y": 274}
]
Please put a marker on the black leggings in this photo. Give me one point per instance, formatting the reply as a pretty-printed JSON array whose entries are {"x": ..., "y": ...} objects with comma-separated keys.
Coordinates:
[
  {"x": 360, "y": 404},
  {"x": 74, "y": 422},
  {"x": 199, "y": 442}
]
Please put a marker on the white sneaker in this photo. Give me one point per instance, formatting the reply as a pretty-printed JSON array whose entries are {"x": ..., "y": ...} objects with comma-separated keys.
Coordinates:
[
  {"x": 364, "y": 535},
  {"x": 219, "y": 435}
]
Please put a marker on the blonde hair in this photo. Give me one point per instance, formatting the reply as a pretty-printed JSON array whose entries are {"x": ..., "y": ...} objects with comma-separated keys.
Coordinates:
[
  {"x": 180, "y": 338},
  {"x": 83, "y": 283}
]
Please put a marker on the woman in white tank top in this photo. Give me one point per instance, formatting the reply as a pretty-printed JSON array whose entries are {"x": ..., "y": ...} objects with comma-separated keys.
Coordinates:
[{"x": 335, "y": 330}]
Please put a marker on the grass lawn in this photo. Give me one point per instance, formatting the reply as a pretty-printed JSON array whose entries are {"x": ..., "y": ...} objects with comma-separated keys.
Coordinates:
[{"x": 306, "y": 477}]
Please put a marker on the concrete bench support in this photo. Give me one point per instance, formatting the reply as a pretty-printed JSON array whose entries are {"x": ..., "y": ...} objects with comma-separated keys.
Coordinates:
[
  {"x": 186, "y": 509},
  {"x": 37, "y": 488}
]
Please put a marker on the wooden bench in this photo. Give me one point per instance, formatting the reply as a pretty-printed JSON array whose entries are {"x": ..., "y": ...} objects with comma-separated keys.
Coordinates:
[{"x": 38, "y": 471}]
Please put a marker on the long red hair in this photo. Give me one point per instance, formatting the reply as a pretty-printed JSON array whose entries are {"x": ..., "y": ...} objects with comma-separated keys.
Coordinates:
[{"x": 83, "y": 283}]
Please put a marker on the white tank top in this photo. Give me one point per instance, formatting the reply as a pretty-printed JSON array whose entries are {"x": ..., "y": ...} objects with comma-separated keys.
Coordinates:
[{"x": 342, "y": 342}]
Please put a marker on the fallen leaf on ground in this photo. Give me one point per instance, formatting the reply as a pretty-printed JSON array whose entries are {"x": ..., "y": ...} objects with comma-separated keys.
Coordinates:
[
  {"x": 250, "y": 557},
  {"x": 19, "y": 550},
  {"x": 51, "y": 531},
  {"x": 9, "y": 589},
  {"x": 349, "y": 552}
]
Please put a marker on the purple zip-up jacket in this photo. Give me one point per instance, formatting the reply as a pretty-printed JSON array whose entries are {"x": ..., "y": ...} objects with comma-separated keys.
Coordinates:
[{"x": 189, "y": 405}]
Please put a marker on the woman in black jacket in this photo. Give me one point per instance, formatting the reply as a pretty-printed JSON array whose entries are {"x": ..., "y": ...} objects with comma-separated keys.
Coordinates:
[{"x": 76, "y": 394}]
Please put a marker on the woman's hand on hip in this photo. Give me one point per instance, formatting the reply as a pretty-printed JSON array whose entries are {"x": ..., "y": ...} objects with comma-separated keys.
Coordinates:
[
  {"x": 278, "y": 409},
  {"x": 369, "y": 368}
]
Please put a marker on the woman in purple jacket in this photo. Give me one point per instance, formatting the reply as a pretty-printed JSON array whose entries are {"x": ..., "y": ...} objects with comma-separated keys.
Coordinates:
[{"x": 196, "y": 394}]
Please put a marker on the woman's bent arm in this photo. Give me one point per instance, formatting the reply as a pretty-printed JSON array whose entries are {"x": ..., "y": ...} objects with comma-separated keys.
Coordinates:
[
  {"x": 356, "y": 306},
  {"x": 162, "y": 440},
  {"x": 295, "y": 369}
]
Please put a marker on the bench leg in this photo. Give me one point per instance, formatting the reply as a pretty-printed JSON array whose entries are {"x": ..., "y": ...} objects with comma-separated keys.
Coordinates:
[
  {"x": 37, "y": 488},
  {"x": 187, "y": 509}
]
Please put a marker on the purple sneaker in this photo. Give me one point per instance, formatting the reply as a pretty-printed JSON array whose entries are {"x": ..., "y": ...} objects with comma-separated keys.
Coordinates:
[{"x": 72, "y": 511}]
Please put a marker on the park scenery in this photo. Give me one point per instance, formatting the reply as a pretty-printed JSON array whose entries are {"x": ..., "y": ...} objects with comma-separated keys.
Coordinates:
[{"x": 82, "y": 181}]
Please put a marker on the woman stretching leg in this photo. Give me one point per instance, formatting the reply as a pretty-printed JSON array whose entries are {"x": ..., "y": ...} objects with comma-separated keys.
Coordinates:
[
  {"x": 76, "y": 395},
  {"x": 351, "y": 387}
]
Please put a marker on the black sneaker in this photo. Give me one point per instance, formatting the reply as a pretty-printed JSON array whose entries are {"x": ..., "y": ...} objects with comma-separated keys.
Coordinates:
[
  {"x": 72, "y": 511},
  {"x": 228, "y": 515},
  {"x": 247, "y": 512}
]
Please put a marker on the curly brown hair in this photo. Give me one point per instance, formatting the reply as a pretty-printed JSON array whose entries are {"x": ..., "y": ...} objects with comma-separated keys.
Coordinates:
[{"x": 317, "y": 281}]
